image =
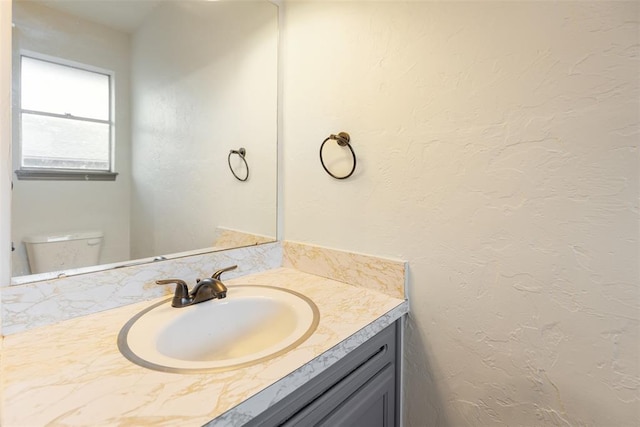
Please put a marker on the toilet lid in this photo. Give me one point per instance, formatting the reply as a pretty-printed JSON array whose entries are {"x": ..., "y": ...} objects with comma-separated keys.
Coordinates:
[{"x": 61, "y": 237}]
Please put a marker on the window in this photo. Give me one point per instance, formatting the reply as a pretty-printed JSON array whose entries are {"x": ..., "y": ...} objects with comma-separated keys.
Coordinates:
[{"x": 65, "y": 121}]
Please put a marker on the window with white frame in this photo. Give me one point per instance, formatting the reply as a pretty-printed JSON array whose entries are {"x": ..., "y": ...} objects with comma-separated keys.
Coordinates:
[{"x": 65, "y": 117}]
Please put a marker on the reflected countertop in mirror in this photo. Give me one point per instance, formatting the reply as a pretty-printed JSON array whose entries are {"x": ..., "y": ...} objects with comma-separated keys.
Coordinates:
[{"x": 190, "y": 81}]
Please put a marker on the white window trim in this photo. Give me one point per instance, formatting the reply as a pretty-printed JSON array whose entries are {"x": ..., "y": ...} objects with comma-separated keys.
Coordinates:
[{"x": 58, "y": 174}]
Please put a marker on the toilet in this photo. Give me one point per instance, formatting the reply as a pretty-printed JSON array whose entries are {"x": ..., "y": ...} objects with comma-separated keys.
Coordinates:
[{"x": 63, "y": 251}]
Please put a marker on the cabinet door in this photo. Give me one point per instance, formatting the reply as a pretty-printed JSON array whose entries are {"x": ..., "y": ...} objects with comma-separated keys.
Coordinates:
[
  {"x": 371, "y": 405},
  {"x": 325, "y": 394}
]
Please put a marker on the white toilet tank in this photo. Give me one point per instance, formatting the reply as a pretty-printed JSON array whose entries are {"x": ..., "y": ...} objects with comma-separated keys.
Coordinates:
[{"x": 63, "y": 251}]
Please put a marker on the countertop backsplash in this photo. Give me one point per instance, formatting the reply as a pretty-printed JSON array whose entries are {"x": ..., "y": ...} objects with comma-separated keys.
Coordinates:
[
  {"x": 46, "y": 302},
  {"x": 366, "y": 271}
]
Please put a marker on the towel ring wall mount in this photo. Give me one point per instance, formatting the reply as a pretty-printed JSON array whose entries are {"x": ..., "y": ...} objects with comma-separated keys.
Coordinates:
[
  {"x": 343, "y": 140},
  {"x": 241, "y": 152}
]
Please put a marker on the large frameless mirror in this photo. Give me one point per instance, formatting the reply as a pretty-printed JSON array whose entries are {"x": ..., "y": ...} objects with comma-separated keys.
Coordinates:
[{"x": 124, "y": 115}]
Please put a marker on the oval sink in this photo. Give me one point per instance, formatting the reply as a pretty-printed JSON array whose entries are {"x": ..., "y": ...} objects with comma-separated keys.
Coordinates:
[{"x": 250, "y": 325}]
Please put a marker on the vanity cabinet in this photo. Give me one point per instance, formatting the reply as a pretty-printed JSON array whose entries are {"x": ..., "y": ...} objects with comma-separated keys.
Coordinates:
[{"x": 360, "y": 390}]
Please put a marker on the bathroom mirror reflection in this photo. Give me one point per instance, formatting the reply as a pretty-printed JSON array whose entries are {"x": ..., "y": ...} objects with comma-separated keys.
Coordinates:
[{"x": 190, "y": 80}]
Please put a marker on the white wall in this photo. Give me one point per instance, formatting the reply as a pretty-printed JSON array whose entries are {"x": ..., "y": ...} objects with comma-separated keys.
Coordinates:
[
  {"x": 41, "y": 207},
  {"x": 204, "y": 82},
  {"x": 497, "y": 148}
]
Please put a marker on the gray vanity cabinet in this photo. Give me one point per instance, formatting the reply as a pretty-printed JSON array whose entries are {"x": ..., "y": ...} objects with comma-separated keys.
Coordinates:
[{"x": 360, "y": 390}]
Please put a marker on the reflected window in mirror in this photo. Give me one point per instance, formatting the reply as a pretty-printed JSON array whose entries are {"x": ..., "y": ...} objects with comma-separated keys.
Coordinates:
[{"x": 66, "y": 124}]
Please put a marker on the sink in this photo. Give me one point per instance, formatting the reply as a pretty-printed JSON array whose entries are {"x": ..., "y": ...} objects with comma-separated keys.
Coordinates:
[{"x": 251, "y": 325}]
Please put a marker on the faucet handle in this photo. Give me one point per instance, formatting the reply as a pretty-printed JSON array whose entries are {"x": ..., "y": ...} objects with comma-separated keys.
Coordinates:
[
  {"x": 178, "y": 282},
  {"x": 218, "y": 273},
  {"x": 181, "y": 296}
]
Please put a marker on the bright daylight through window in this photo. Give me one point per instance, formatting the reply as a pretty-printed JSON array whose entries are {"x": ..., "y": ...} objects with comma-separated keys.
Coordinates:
[{"x": 65, "y": 117}]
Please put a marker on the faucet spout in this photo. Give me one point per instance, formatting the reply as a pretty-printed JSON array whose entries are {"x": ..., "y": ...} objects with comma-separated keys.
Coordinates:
[{"x": 207, "y": 289}]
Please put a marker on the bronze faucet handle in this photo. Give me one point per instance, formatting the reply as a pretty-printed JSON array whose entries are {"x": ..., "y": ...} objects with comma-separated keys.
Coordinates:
[
  {"x": 218, "y": 273},
  {"x": 178, "y": 282},
  {"x": 181, "y": 297}
]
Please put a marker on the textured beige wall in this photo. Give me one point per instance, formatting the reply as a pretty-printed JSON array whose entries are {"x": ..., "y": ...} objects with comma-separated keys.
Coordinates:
[{"x": 497, "y": 148}]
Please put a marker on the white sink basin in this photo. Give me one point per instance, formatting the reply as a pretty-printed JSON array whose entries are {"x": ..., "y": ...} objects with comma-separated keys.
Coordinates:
[{"x": 250, "y": 325}]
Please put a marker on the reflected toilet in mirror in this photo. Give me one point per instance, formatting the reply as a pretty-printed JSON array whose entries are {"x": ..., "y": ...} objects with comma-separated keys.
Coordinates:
[{"x": 63, "y": 251}]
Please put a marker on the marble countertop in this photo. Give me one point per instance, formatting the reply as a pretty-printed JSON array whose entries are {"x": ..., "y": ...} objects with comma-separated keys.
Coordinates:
[{"x": 71, "y": 373}]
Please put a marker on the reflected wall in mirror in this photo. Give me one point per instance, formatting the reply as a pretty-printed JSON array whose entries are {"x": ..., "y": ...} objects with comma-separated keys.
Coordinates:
[{"x": 191, "y": 80}]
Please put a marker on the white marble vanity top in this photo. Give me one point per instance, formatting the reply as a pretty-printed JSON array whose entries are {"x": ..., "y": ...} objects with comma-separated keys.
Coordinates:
[{"x": 72, "y": 374}]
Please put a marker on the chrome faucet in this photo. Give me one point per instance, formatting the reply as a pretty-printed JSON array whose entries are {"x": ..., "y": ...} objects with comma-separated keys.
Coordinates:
[{"x": 204, "y": 290}]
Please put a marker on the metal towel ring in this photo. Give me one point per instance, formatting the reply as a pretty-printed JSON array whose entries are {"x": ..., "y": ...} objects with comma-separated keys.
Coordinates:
[
  {"x": 343, "y": 140},
  {"x": 242, "y": 153}
]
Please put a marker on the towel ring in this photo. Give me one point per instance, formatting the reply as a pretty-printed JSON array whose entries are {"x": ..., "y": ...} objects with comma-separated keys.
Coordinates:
[
  {"x": 343, "y": 140},
  {"x": 242, "y": 153}
]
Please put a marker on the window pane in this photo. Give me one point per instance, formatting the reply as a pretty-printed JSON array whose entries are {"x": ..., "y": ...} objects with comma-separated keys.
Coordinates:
[
  {"x": 60, "y": 89},
  {"x": 51, "y": 142}
]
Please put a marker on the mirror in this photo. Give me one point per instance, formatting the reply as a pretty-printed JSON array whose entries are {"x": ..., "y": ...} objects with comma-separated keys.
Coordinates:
[{"x": 191, "y": 81}]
